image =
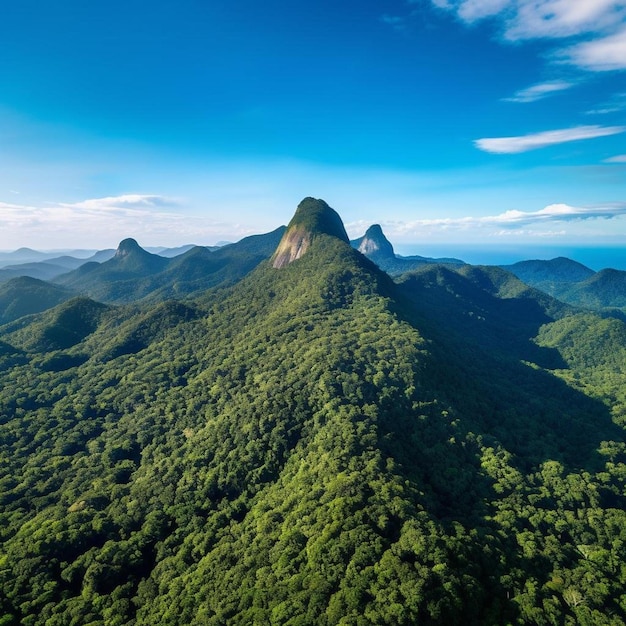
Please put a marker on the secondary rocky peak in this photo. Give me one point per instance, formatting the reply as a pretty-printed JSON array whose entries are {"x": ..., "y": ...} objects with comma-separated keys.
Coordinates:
[
  {"x": 126, "y": 247},
  {"x": 374, "y": 243},
  {"x": 312, "y": 218}
]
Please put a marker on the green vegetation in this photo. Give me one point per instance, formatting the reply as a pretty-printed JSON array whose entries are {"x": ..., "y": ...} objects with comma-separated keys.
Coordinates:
[
  {"x": 24, "y": 295},
  {"x": 316, "y": 444},
  {"x": 571, "y": 282},
  {"x": 315, "y": 216},
  {"x": 134, "y": 274}
]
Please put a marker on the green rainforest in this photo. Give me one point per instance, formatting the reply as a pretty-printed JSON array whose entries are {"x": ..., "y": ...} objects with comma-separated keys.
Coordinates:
[{"x": 285, "y": 434}]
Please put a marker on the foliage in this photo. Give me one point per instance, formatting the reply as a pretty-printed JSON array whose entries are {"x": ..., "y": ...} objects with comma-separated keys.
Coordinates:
[
  {"x": 24, "y": 296},
  {"x": 134, "y": 274},
  {"x": 576, "y": 284},
  {"x": 318, "y": 445}
]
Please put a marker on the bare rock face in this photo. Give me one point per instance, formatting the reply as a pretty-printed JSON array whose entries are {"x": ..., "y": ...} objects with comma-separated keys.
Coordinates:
[
  {"x": 374, "y": 243},
  {"x": 312, "y": 218},
  {"x": 293, "y": 245}
]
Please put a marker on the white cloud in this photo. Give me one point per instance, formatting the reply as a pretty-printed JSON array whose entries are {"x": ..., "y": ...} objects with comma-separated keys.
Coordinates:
[
  {"x": 535, "y": 19},
  {"x": 530, "y": 223},
  {"x": 600, "y": 55},
  {"x": 559, "y": 213},
  {"x": 524, "y": 143},
  {"x": 620, "y": 158},
  {"x": 130, "y": 201},
  {"x": 540, "y": 91},
  {"x": 600, "y": 22},
  {"x": 103, "y": 222}
]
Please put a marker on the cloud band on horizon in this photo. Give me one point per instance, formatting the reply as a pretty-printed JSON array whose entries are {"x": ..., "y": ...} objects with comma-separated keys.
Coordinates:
[{"x": 513, "y": 219}]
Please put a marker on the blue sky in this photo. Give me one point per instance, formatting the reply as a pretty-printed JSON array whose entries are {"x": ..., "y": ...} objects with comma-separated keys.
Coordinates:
[{"x": 456, "y": 123}]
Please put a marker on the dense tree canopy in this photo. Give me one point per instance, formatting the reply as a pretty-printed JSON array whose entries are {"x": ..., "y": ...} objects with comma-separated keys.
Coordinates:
[{"x": 316, "y": 445}]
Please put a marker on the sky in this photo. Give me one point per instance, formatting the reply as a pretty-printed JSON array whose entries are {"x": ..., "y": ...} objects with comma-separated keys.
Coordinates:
[{"x": 457, "y": 124}]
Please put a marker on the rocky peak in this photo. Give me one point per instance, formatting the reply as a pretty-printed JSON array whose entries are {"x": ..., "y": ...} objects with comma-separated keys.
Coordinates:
[
  {"x": 312, "y": 218},
  {"x": 127, "y": 247},
  {"x": 374, "y": 243}
]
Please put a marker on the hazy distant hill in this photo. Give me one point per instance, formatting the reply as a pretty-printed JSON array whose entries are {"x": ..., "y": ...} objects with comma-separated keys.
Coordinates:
[
  {"x": 51, "y": 267},
  {"x": 315, "y": 444},
  {"x": 178, "y": 250},
  {"x": 28, "y": 255}
]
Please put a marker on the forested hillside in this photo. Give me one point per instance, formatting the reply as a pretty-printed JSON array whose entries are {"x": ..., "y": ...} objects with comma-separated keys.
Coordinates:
[
  {"x": 134, "y": 274},
  {"x": 315, "y": 444},
  {"x": 571, "y": 282}
]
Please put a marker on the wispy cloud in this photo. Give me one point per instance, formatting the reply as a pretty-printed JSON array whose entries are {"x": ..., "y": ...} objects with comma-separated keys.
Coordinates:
[
  {"x": 620, "y": 158},
  {"x": 600, "y": 22},
  {"x": 615, "y": 104},
  {"x": 599, "y": 55},
  {"x": 126, "y": 200},
  {"x": 533, "y": 19},
  {"x": 395, "y": 21},
  {"x": 540, "y": 91},
  {"x": 524, "y": 143}
]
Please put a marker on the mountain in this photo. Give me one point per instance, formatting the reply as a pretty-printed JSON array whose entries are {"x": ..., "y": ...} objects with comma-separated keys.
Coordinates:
[
  {"x": 602, "y": 290},
  {"x": 375, "y": 245},
  {"x": 312, "y": 219},
  {"x": 24, "y": 295},
  {"x": 58, "y": 328},
  {"x": 51, "y": 266},
  {"x": 100, "y": 256},
  {"x": 27, "y": 256},
  {"x": 318, "y": 444},
  {"x": 575, "y": 283},
  {"x": 41, "y": 270},
  {"x": 172, "y": 252},
  {"x": 545, "y": 274},
  {"x": 202, "y": 268},
  {"x": 22, "y": 255},
  {"x": 134, "y": 274}
]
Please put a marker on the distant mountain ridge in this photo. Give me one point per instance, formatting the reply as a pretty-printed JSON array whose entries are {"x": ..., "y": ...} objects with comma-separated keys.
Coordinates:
[{"x": 134, "y": 274}]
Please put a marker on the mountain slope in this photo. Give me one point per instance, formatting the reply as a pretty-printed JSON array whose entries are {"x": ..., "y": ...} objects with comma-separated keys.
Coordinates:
[
  {"x": 200, "y": 268},
  {"x": 25, "y": 295},
  {"x": 134, "y": 274},
  {"x": 58, "y": 328},
  {"x": 318, "y": 445},
  {"x": 542, "y": 274},
  {"x": 604, "y": 289},
  {"x": 574, "y": 283}
]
